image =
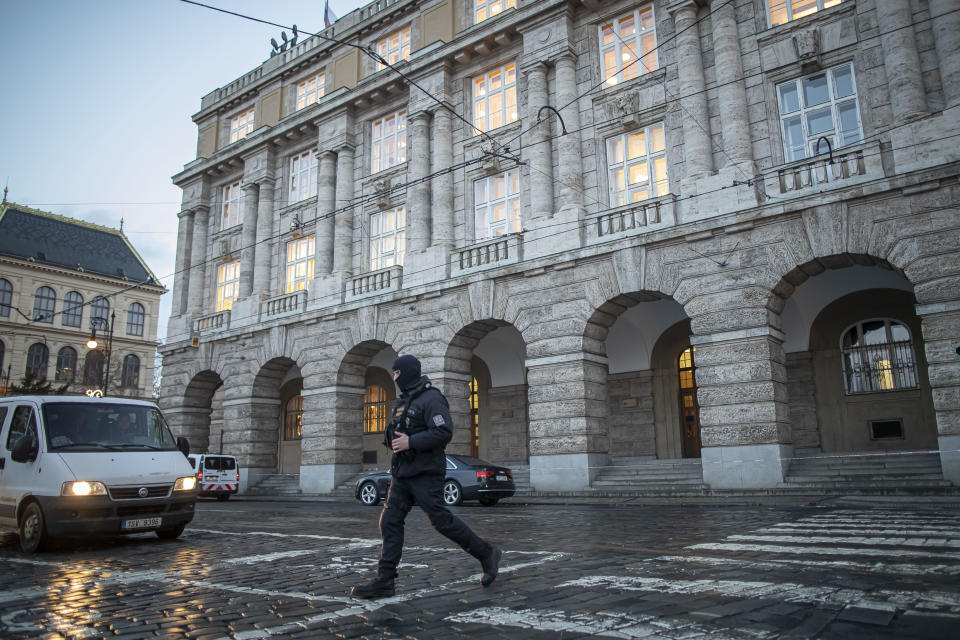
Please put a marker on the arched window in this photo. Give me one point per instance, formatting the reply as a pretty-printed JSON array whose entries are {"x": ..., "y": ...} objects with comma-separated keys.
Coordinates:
[
  {"x": 130, "y": 376},
  {"x": 93, "y": 368},
  {"x": 135, "y": 316},
  {"x": 375, "y": 410},
  {"x": 72, "y": 309},
  {"x": 37, "y": 359},
  {"x": 99, "y": 308},
  {"x": 293, "y": 418},
  {"x": 66, "y": 364},
  {"x": 44, "y": 304},
  {"x": 878, "y": 356},
  {"x": 6, "y": 297}
]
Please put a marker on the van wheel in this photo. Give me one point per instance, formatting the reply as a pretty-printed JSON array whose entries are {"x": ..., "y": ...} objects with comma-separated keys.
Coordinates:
[
  {"x": 170, "y": 533},
  {"x": 223, "y": 497},
  {"x": 33, "y": 532}
]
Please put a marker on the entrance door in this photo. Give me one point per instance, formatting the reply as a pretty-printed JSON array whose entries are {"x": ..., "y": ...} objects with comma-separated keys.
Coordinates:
[
  {"x": 689, "y": 409},
  {"x": 474, "y": 418},
  {"x": 291, "y": 431}
]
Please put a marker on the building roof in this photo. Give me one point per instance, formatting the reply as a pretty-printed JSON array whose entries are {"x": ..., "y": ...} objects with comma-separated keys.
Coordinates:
[{"x": 49, "y": 239}]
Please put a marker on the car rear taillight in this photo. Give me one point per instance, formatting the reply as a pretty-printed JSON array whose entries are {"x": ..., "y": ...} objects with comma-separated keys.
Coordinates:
[{"x": 486, "y": 473}]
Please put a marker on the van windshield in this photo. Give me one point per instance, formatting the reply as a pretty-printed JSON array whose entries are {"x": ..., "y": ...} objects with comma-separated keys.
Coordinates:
[{"x": 77, "y": 426}]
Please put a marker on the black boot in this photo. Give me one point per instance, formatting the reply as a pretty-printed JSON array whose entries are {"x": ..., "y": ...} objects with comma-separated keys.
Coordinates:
[
  {"x": 379, "y": 587},
  {"x": 490, "y": 565}
]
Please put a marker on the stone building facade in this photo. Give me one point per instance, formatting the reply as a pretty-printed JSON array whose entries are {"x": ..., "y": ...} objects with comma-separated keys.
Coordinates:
[
  {"x": 732, "y": 236},
  {"x": 62, "y": 280}
]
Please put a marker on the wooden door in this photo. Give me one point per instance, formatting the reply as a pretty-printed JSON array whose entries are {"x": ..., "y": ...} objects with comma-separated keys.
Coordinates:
[{"x": 689, "y": 408}]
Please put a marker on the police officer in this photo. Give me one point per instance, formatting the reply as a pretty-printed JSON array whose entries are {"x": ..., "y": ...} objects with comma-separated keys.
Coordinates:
[{"x": 419, "y": 432}]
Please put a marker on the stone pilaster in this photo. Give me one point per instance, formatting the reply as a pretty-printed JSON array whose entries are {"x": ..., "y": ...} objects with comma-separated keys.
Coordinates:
[
  {"x": 264, "y": 245},
  {"x": 538, "y": 151},
  {"x": 248, "y": 236},
  {"x": 343, "y": 222},
  {"x": 901, "y": 60},
  {"x": 455, "y": 386},
  {"x": 697, "y": 151},
  {"x": 728, "y": 65},
  {"x": 198, "y": 254},
  {"x": 941, "y": 339},
  {"x": 442, "y": 186},
  {"x": 945, "y": 20},
  {"x": 570, "y": 152},
  {"x": 181, "y": 277},
  {"x": 332, "y": 437},
  {"x": 326, "y": 202},
  {"x": 418, "y": 167}
]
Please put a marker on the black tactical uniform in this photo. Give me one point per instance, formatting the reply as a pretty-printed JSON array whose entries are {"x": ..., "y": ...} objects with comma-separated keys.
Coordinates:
[{"x": 424, "y": 415}]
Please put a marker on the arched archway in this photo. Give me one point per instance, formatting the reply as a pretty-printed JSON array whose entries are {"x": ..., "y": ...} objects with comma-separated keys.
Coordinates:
[
  {"x": 277, "y": 382},
  {"x": 197, "y": 408}
]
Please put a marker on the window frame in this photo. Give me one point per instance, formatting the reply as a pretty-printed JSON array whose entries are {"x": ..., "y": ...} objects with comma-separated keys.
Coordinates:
[
  {"x": 482, "y": 95},
  {"x": 483, "y": 209},
  {"x": 626, "y": 70},
  {"x": 44, "y": 304},
  {"x": 375, "y": 409},
  {"x": 649, "y": 158},
  {"x": 231, "y": 217},
  {"x": 228, "y": 286},
  {"x": 397, "y": 54},
  {"x": 298, "y": 282},
  {"x": 397, "y": 235},
  {"x": 295, "y": 189},
  {"x": 72, "y": 315},
  {"x": 241, "y": 124},
  {"x": 62, "y": 356},
  {"x": 902, "y": 374},
  {"x": 136, "y": 319},
  {"x": 6, "y": 297},
  {"x": 378, "y": 143},
  {"x": 99, "y": 308},
  {"x": 38, "y": 360},
  {"x": 485, "y": 5},
  {"x": 821, "y": 5},
  {"x": 307, "y": 96},
  {"x": 130, "y": 372}
]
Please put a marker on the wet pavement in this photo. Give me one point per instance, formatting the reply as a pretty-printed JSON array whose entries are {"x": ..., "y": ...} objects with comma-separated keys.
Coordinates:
[{"x": 257, "y": 569}]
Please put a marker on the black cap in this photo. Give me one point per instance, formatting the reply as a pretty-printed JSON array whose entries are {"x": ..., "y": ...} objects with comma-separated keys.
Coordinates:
[{"x": 409, "y": 368}]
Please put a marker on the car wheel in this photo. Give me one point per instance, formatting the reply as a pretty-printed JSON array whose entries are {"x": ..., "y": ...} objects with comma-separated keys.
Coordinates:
[
  {"x": 169, "y": 533},
  {"x": 452, "y": 495},
  {"x": 369, "y": 495},
  {"x": 223, "y": 497},
  {"x": 33, "y": 532},
  {"x": 488, "y": 502}
]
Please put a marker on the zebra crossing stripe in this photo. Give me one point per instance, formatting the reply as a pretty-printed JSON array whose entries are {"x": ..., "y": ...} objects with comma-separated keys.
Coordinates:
[
  {"x": 892, "y": 542},
  {"x": 605, "y": 623},
  {"x": 821, "y": 551},
  {"x": 902, "y": 569}
]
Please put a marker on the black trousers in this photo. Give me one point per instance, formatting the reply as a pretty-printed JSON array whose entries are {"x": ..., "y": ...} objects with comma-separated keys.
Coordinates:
[{"x": 426, "y": 491}]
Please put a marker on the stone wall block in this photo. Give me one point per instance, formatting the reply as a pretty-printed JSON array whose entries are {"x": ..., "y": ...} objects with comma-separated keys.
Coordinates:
[
  {"x": 738, "y": 373},
  {"x": 566, "y": 407},
  {"x": 940, "y": 290},
  {"x": 559, "y": 444},
  {"x": 744, "y": 413},
  {"x": 747, "y": 434},
  {"x": 946, "y": 399},
  {"x": 944, "y": 375},
  {"x": 948, "y": 423},
  {"x": 554, "y": 346},
  {"x": 941, "y": 326},
  {"x": 735, "y": 352},
  {"x": 743, "y": 392},
  {"x": 731, "y": 319}
]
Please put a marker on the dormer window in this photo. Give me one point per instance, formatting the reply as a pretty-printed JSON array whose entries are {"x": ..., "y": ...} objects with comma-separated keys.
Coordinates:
[
  {"x": 394, "y": 48},
  {"x": 309, "y": 91}
]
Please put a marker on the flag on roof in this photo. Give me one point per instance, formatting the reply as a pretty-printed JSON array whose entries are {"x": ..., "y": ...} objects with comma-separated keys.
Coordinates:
[{"x": 329, "y": 17}]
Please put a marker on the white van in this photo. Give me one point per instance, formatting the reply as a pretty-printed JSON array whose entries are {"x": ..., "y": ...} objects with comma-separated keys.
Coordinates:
[
  {"x": 217, "y": 474},
  {"x": 78, "y": 466}
]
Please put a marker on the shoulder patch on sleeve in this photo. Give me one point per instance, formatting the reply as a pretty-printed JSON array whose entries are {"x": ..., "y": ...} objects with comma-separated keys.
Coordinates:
[{"x": 438, "y": 420}]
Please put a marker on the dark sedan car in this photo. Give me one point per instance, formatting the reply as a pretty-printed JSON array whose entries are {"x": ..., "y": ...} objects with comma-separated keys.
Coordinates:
[{"x": 467, "y": 479}]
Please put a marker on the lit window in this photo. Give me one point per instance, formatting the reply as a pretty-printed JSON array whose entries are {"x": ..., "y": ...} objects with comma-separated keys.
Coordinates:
[
  {"x": 637, "y": 165},
  {"x": 375, "y": 410},
  {"x": 624, "y": 40},
  {"x": 130, "y": 375},
  {"x": 37, "y": 357},
  {"x": 495, "y": 98},
  {"x": 483, "y": 9},
  {"x": 388, "y": 238},
  {"x": 66, "y": 364},
  {"x": 878, "y": 356},
  {"x": 135, "y": 319},
  {"x": 300, "y": 257},
  {"x": 821, "y": 105},
  {"x": 72, "y": 309},
  {"x": 293, "y": 419},
  {"x": 309, "y": 91},
  {"x": 394, "y": 48},
  {"x": 241, "y": 124},
  {"x": 783, "y": 11},
  {"x": 303, "y": 176},
  {"x": 389, "y": 141},
  {"x": 6, "y": 297},
  {"x": 99, "y": 308},
  {"x": 44, "y": 304},
  {"x": 231, "y": 201},
  {"x": 228, "y": 285},
  {"x": 497, "y": 204}
]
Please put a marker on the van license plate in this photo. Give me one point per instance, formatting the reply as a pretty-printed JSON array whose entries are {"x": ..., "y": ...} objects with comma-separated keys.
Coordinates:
[{"x": 142, "y": 523}]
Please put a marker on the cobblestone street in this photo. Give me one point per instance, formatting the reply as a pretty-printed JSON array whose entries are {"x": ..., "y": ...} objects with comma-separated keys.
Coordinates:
[{"x": 247, "y": 569}]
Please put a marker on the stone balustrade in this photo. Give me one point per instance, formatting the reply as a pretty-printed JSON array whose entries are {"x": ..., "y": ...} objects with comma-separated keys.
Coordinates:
[
  {"x": 841, "y": 168},
  {"x": 375, "y": 283},
  {"x": 212, "y": 323},
  {"x": 495, "y": 252},
  {"x": 628, "y": 220},
  {"x": 283, "y": 305}
]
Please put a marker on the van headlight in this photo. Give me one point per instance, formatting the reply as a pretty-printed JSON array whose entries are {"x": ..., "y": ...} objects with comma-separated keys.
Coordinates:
[
  {"x": 188, "y": 483},
  {"x": 83, "y": 488}
]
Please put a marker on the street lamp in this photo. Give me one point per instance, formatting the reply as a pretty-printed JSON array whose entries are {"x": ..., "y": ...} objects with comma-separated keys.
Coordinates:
[{"x": 96, "y": 321}]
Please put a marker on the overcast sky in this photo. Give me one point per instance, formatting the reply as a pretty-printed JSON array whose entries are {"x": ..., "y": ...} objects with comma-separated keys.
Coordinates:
[{"x": 97, "y": 100}]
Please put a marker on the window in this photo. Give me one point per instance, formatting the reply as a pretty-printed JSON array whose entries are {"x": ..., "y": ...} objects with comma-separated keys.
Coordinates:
[
  {"x": 6, "y": 297},
  {"x": 497, "y": 204},
  {"x": 625, "y": 39},
  {"x": 99, "y": 308},
  {"x": 637, "y": 165},
  {"x": 231, "y": 201},
  {"x": 388, "y": 238},
  {"x": 66, "y": 364},
  {"x": 130, "y": 375},
  {"x": 2, "y": 353},
  {"x": 293, "y": 419},
  {"x": 389, "y": 142},
  {"x": 783, "y": 11},
  {"x": 93, "y": 368},
  {"x": 23, "y": 422},
  {"x": 394, "y": 48},
  {"x": 37, "y": 360},
  {"x": 483, "y": 9},
  {"x": 878, "y": 356},
  {"x": 135, "y": 317},
  {"x": 375, "y": 410},
  {"x": 300, "y": 257},
  {"x": 228, "y": 285},
  {"x": 474, "y": 417},
  {"x": 310, "y": 90},
  {"x": 72, "y": 309},
  {"x": 495, "y": 98},
  {"x": 821, "y": 105},
  {"x": 44, "y": 304},
  {"x": 241, "y": 124},
  {"x": 303, "y": 176}
]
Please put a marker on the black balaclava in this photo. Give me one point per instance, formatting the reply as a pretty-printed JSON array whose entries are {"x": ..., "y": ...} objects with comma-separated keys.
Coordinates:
[{"x": 409, "y": 368}]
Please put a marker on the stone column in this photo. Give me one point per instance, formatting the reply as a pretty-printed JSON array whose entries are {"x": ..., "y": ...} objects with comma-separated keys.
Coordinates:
[
  {"x": 728, "y": 64},
  {"x": 251, "y": 428},
  {"x": 248, "y": 236},
  {"x": 697, "y": 151},
  {"x": 418, "y": 193},
  {"x": 181, "y": 277},
  {"x": 264, "y": 247},
  {"x": 326, "y": 200},
  {"x": 441, "y": 205},
  {"x": 941, "y": 339},
  {"x": 901, "y": 60},
  {"x": 332, "y": 436},
  {"x": 946, "y": 32},
  {"x": 571, "y": 155},
  {"x": 343, "y": 221},
  {"x": 539, "y": 149},
  {"x": 198, "y": 256}
]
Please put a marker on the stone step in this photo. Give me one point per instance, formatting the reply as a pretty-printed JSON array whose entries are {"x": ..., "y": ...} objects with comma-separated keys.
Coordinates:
[
  {"x": 861, "y": 477},
  {"x": 665, "y": 473},
  {"x": 859, "y": 485}
]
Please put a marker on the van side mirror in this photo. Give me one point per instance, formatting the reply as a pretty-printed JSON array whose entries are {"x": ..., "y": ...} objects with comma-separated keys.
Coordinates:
[
  {"x": 184, "y": 445},
  {"x": 25, "y": 450}
]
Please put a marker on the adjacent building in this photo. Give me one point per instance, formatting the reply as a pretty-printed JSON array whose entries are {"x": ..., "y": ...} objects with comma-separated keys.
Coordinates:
[
  {"x": 63, "y": 281},
  {"x": 612, "y": 231}
]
